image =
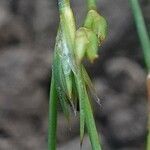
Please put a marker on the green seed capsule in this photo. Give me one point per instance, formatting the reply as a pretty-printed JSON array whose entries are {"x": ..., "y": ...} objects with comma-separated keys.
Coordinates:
[
  {"x": 86, "y": 45},
  {"x": 80, "y": 44},
  {"x": 100, "y": 28},
  {"x": 92, "y": 46},
  {"x": 97, "y": 23},
  {"x": 89, "y": 20}
]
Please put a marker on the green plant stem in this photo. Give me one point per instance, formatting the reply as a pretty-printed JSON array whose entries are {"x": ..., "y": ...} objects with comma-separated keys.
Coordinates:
[
  {"x": 145, "y": 42},
  {"x": 148, "y": 87},
  {"x": 52, "y": 125},
  {"x": 63, "y": 4},
  {"x": 142, "y": 32},
  {"x": 91, "y": 4},
  {"x": 148, "y": 138}
]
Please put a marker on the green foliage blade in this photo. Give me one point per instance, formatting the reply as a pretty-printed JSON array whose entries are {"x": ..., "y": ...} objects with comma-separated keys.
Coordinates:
[
  {"x": 88, "y": 114},
  {"x": 52, "y": 125}
]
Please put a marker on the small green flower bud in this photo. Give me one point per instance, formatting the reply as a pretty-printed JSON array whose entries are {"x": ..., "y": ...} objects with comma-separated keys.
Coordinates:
[
  {"x": 81, "y": 42},
  {"x": 97, "y": 23},
  {"x": 100, "y": 28},
  {"x": 86, "y": 44},
  {"x": 89, "y": 20},
  {"x": 92, "y": 46}
]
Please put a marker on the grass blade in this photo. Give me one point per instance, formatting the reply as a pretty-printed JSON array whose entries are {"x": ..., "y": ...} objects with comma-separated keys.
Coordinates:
[
  {"x": 142, "y": 32},
  {"x": 52, "y": 128},
  {"x": 145, "y": 43},
  {"x": 88, "y": 114}
]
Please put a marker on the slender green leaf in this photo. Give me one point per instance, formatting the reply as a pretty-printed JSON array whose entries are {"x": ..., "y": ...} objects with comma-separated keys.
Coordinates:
[
  {"x": 52, "y": 116},
  {"x": 88, "y": 114},
  {"x": 142, "y": 31}
]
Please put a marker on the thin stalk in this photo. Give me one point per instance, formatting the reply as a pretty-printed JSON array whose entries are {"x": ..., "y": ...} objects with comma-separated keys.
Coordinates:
[
  {"x": 63, "y": 3},
  {"x": 91, "y": 4},
  {"x": 148, "y": 141},
  {"x": 145, "y": 43},
  {"x": 148, "y": 87},
  {"x": 67, "y": 21},
  {"x": 142, "y": 32},
  {"x": 52, "y": 125}
]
